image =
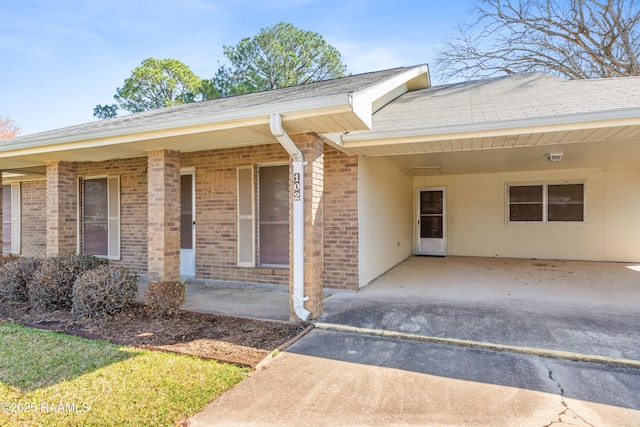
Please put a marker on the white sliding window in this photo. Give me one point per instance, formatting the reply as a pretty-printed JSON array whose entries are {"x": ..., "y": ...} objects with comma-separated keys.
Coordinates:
[{"x": 546, "y": 203}]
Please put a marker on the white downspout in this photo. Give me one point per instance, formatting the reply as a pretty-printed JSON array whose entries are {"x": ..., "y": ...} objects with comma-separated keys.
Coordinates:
[{"x": 297, "y": 163}]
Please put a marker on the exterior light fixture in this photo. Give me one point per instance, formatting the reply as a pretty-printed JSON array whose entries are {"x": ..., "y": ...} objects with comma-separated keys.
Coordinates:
[{"x": 555, "y": 157}]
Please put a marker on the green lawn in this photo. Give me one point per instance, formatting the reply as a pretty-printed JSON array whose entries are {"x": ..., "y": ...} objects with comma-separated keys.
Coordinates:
[{"x": 53, "y": 379}]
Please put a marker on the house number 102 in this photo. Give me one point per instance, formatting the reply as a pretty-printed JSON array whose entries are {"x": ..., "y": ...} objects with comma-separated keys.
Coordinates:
[{"x": 296, "y": 187}]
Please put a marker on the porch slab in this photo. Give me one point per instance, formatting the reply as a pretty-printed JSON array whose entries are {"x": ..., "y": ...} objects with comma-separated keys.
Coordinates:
[
  {"x": 259, "y": 301},
  {"x": 581, "y": 307}
]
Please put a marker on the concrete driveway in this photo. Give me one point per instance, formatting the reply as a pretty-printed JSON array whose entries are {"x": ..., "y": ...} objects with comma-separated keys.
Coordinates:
[{"x": 334, "y": 377}]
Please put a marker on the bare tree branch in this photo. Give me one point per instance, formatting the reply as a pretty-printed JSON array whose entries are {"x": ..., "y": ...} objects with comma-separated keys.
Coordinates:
[{"x": 576, "y": 39}]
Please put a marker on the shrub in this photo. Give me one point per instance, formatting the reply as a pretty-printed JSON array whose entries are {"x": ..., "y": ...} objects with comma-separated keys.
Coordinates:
[
  {"x": 164, "y": 298},
  {"x": 4, "y": 259},
  {"x": 14, "y": 277},
  {"x": 103, "y": 291},
  {"x": 52, "y": 286}
]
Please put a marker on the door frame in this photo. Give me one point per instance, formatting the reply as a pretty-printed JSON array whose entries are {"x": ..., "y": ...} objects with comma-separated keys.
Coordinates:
[
  {"x": 444, "y": 220},
  {"x": 183, "y": 269}
]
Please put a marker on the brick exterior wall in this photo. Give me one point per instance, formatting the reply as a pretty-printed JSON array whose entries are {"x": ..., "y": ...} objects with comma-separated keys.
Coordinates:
[
  {"x": 216, "y": 212},
  {"x": 164, "y": 215},
  {"x": 331, "y": 213},
  {"x": 133, "y": 207},
  {"x": 340, "y": 220},
  {"x": 33, "y": 223},
  {"x": 62, "y": 193}
]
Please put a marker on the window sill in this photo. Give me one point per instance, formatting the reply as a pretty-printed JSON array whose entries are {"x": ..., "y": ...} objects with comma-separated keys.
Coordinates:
[{"x": 273, "y": 271}]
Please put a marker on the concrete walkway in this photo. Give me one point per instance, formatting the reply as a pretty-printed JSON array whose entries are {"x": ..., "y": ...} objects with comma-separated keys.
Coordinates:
[
  {"x": 332, "y": 377},
  {"x": 270, "y": 302},
  {"x": 339, "y": 379}
]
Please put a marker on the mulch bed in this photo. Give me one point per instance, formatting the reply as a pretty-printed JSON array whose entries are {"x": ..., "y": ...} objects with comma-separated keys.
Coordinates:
[{"x": 230, "y": 339}]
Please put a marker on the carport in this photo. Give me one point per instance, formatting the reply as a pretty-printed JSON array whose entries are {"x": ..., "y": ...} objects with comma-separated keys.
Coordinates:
[
  {"x": 524, "y": 166},
  {"x": 576, "y": 306}
]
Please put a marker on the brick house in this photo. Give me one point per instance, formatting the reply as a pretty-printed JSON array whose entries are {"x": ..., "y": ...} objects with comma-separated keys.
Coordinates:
[{"x": 330, "y": 184}]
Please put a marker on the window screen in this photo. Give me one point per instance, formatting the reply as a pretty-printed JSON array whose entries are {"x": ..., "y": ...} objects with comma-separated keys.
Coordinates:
[
  {"x": 95, "y": 220},
  {"x": 525, "y": 203},
  {"x": 101, "y": 217},
  {"x": 274, "y": 215},
  {"x": 566, "y": 202}
]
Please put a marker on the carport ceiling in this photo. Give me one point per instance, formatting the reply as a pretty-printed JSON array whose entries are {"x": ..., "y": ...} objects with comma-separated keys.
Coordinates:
[{"x": 522, "y": 158}]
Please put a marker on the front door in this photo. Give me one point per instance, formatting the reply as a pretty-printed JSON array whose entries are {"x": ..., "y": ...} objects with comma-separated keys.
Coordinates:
[
  {"x": 187, "y": 224},
  {"x": 432, "y": 222}
]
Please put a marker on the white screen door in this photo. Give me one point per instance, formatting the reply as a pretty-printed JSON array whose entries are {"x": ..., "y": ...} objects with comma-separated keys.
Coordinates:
[
  {"x": 187, "y": 224},
  {"x": 432, "y": 222}
]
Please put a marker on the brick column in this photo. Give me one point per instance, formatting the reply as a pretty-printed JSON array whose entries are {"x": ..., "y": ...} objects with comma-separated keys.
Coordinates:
[
  {"x": 313, "y": 150},
  {"x": 62, "y": 208},
  {"x": 163, "y": 172}
]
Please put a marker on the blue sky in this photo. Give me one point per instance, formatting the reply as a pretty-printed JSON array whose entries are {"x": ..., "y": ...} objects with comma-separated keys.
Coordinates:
[{"x": 62, "y": 57}]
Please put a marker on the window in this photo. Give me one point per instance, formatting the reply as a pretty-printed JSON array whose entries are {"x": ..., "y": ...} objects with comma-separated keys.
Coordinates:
[
  {"x": 546, "y": 203},
  {"x": 526, "y": 203},
  {"x": 565, "y": 202},
  {"x": 101, "y": 217},
  {"x": 273, "y": 217},
  {"x": 11, "y": 218}
]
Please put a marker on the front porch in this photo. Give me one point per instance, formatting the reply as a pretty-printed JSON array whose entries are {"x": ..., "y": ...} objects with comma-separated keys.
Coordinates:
[{"x": 269, "y": 302}]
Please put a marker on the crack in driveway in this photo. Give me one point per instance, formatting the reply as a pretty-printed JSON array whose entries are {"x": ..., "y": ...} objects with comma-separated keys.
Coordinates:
[{"x": 567, "y": 411}]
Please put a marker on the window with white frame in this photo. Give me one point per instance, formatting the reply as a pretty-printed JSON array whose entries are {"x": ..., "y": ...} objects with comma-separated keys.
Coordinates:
[
  {"x": 272, "y": 216},
  {"x": 546, "y": 202},
  {"x": 11, "y": 218},
  {"x": 101, "y": 217}
]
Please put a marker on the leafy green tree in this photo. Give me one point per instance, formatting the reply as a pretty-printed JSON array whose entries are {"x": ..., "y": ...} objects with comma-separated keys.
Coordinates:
[
  {"x": 278, "y": 56},
  {"x": 156, "y": 83},
  {"x": 105, "y": 111},
  {"x": 576, "y": 39}
]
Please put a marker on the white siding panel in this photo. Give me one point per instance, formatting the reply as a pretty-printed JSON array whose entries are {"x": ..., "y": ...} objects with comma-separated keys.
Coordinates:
[
  {"x": 622, "y": 228},
  {"x": 385, "y": 216},
  {"x": 477, "y": 226},
  {"x": 476, "y": 221}
]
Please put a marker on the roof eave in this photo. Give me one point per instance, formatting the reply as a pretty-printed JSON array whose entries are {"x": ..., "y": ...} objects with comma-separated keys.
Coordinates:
[
  {"x": 566, "y": 122},
  {"x": 219, "y": 120}
]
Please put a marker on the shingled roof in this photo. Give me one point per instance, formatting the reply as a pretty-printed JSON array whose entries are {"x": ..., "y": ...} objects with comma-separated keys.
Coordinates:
[
  {"x": 516, "y": 97},
  {"x": 325, "y": 88},
  {"x": 331, "y": 106}
]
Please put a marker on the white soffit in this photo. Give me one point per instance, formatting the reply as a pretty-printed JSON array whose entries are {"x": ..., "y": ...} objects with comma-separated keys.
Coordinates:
[{"x": 502, "y": 133}]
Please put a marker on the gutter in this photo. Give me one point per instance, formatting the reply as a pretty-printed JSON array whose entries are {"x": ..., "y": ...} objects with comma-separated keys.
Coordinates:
[{"x": 297, "y": 163}]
